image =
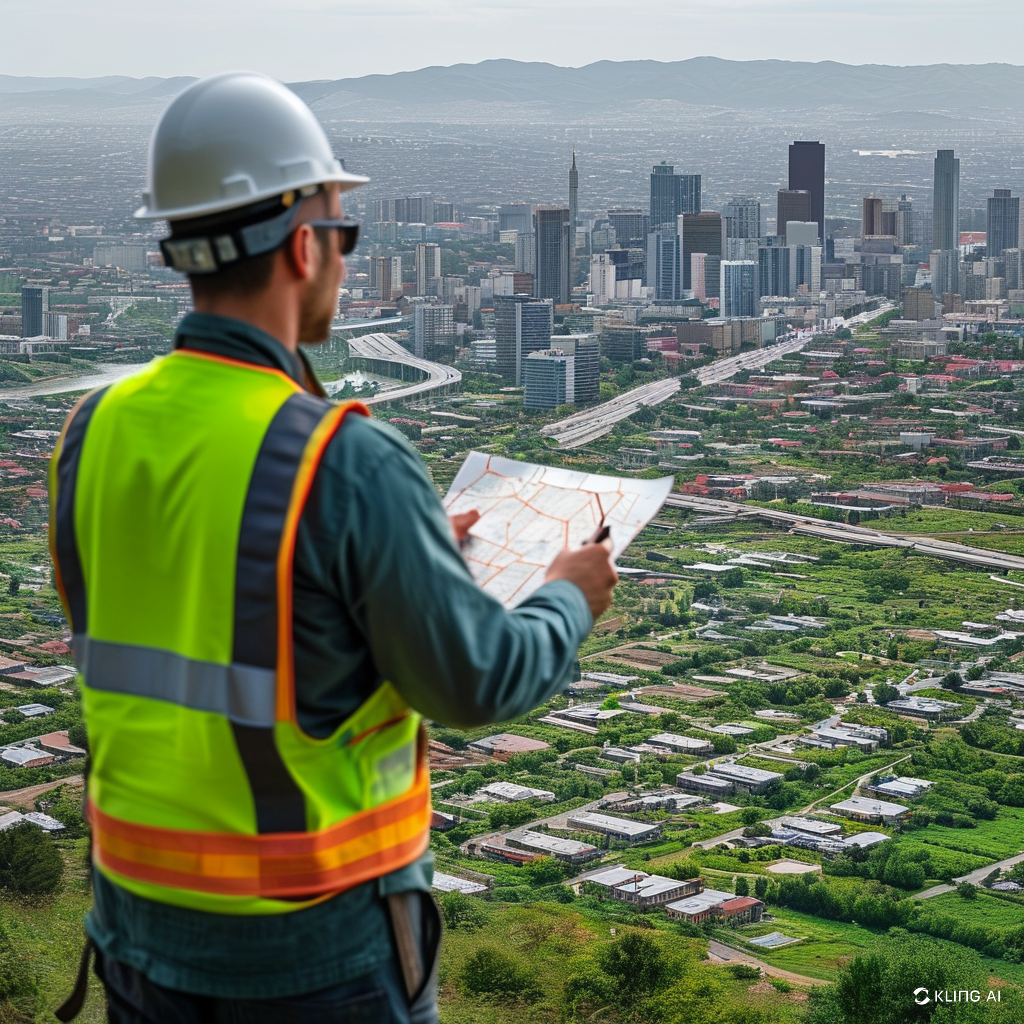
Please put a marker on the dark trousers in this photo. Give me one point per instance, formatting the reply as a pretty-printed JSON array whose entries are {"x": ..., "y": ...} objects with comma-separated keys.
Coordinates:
[{"x": 380, "y": 997}]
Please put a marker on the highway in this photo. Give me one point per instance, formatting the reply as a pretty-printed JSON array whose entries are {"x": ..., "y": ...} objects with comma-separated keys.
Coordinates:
[
  {"x": 845, "y": 534},
  {"x": 386, "y": 356},
  {"x": 583, "y": 427}
]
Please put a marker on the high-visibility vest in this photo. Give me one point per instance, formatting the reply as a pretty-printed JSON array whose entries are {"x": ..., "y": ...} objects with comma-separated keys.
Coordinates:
[{"x": 175, "y": 498}]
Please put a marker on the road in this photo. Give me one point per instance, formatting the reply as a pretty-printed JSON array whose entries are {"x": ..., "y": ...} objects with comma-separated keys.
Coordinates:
[
  {"x": 384, "y": 354},
  {"x": 28, "y": 796},
  {"x": 975, "y": 877},
  {"x": 855, "y": 784},
  {"x": 721, "y": 953},
  {"x": 583, "y": 427},
  {"x": 845, "y": 534}
]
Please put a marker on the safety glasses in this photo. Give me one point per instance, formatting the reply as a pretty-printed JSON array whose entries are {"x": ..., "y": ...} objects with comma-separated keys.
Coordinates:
[{"x": 348, "y": 232}]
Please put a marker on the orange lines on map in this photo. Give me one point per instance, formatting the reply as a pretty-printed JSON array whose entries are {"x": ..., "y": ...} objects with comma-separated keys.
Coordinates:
[{"x": 528, "y": 513}]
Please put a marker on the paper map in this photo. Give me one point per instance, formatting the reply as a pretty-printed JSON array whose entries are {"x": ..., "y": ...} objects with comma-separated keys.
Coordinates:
[{"x": 528, "y": 513}]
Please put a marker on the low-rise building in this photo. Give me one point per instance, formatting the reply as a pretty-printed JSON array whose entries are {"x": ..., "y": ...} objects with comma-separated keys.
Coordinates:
[
  {"x": 57, "y": 743},
  {"x": 509, "y": 792},
  {"x": 706, "y": 784},
  {"x": 505, "y": 744},
  {"x": 929, "y": 708},
  {"x": 810, "y": 825},
  {"x": 443, "y": 882},
  {"x": 754, "y": 781},
  {"x": 713, "y": 905},
  {"x": 682, "y": 744},
  {"x": 655, "y": 890},
  {"x": 742, "y": 910},
  {"x": 864, "y": 809},
  {"x": 569, "y": 851},
  {"x": 904, "y": 787},
  {"x": 617, "y": 828},
  {"x": 25, "y": 757}
]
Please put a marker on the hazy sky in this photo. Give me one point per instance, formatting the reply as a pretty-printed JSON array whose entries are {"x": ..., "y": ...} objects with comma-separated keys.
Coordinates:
[{"x": 305, "y": 39}]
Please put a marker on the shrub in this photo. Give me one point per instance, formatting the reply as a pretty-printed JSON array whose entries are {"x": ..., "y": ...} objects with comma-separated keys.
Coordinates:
[
  {"x": 745, "y": 972},
  {"x": 491, "y": 971},
  {"x": 30, "y": 863},
  {"x": 461, "y": 913}
]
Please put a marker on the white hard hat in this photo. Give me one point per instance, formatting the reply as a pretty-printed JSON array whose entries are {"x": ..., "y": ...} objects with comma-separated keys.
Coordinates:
[{"x": 232, "y": 140}]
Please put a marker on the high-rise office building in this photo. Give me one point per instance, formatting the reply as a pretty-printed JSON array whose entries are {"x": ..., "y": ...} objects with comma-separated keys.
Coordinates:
[
  {"x": 807, "y": 174},
  {"x": 548, "y": 379},
  {"x": 526, "y": 254},
  {"x": 664, "y": 195},
  {"x": 773, "y": 271},
  {"x": 1002, "y": 224},
  {"x": 552, "y": 248},
  {"x": 672, "y": 194},
  {"x": 1013, "y": 262},
  {"x": 522, "y": 324},
  {"x": 918, "y": 304},
  {"x": 699, "y": 275},
  {"x": 702, "y": 232},
  {"x": 602, "y": 279},
  {"x": 386, "y": 276},
  {"x": 433, "y": 330},
  {"x": 945, "y": 268},
  {"x": 738, "y": 287},
  {"x": 689, "y": 193},
  {"x": 574, "y": 194},
  {"x": 34, "y": 303},
  {"x": 428, "y": 268},
  {"x": 792, "y": 205},
  {"x": 55, "y": 325},
  {"x": 742, "y": 218},
  {"x": 515, "y": 217},
  {"x": 631, "y": 227},
  {"x": 664, "y": 252},
  {"x": 801, "y": 232},
  {"x": 871, "y": 217},
  {"x": 946, "y": 201},
  {"x": 586, "y": 352},
  {"x": 805, "y": 269}
]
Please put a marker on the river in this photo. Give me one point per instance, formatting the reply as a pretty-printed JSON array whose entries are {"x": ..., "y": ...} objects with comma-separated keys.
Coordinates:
[{"x": 62, "y": 385}]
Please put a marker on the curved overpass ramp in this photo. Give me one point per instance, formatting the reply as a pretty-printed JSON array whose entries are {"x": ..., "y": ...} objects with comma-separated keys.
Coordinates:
[{"x": 380, "y": 354}]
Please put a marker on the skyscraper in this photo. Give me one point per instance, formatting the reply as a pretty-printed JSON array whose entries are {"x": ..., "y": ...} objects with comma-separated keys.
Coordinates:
[
  {"x": 526, "y": 252},
  {"x": 807, "y": 173},
  {"x": 1002, "y": 223},
  {"x": 664, "y": 195},
  {"x": 521, "y": 325},
  {"x": 793, "y": 204},
  {"x": 664, "y": 252},
  {"x": 552, "y": 246},
  {"x": 689, "y": 193},
  {"x": 702, "y": 232},
  {"x": 433, "y": 330},
  {"x": 631, "y": 227},
  {"x": 699, "y": 275},
  {"x": 742, "y": 218},
  {"x": 386, "y": 276},
  {"x": 574, "y": 191},
  {"x": 428, "y": 268},
  {"x": 738, "y": 286},
  {"x": 586, "y": 351},
  {"x": 549, "y": 376},
  {"x": 34, "y": 303},
  {"x": 515, "y": 217},
  {"x": 773, "y": 270},
  {"x": 946, "y": 201},
  {"x": 945, "y": 268},
  {"x": 871, "y": 217}
]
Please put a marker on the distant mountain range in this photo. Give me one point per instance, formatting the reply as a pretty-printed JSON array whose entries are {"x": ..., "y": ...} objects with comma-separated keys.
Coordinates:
[{"x": 702, "y": 81}]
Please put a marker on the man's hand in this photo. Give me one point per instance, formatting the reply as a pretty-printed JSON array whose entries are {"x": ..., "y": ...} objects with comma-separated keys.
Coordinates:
[
  {"x": 591, "y": 569},
  {"x": 461, "y": 524}
]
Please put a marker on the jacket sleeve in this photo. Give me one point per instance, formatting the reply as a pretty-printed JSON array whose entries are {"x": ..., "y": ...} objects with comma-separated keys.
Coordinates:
[{"x": 455, "y": 654}]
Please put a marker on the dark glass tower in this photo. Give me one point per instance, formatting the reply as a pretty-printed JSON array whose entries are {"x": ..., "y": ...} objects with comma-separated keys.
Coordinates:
[
  {"x": 552, "y": 241},
  {"x": 574, "y": 191},
  {"x": 807, "y": 173},
  {"x": 946, "y": 201},
  {"x": 1002, "y": 223}
]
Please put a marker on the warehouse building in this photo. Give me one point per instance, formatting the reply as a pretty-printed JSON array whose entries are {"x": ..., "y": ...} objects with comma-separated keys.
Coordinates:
[{"x": 616, "y": 828}]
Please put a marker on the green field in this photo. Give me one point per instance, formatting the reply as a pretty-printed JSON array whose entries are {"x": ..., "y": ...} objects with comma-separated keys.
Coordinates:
[{"x": 1001, "y": 837}]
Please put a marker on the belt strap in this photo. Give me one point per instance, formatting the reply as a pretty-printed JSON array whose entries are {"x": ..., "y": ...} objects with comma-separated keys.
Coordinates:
[
  {"x": 407, "y": 941},
  {"x": 72, "y": 1006}
]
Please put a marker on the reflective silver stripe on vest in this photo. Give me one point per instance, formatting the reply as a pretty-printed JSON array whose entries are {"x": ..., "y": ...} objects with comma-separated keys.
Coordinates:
[{"x": 241, "y": 693}]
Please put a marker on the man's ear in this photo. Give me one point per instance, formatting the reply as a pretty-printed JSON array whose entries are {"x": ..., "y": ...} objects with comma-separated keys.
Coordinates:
[{"x": 301, "y": 252}]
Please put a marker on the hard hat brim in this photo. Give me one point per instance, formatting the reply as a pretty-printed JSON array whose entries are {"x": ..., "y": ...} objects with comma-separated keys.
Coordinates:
[{"x": 344, "y": 179}]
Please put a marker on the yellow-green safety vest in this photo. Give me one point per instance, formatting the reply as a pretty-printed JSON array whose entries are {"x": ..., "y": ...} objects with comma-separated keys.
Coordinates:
[{"x": 175, "y": 498}]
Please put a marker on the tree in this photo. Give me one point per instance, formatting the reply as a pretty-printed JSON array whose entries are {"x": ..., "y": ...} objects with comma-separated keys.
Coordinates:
[
  {"x": 461, "y": 913},
  {"x": 636, "y": 964},
  {"x": 77, "y": 736},
  {"x": 952, "y": 681},
  {"x": 885, "y": 694},
  {"x": 967, "y": 891},
  {"x": 30, "y": 863},
  {"x": 492, "y": 971},
  {"x": 741, "y": 886}
]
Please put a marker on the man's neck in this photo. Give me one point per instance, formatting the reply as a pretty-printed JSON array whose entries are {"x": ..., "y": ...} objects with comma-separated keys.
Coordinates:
[{"x": 272, "y": 314}]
